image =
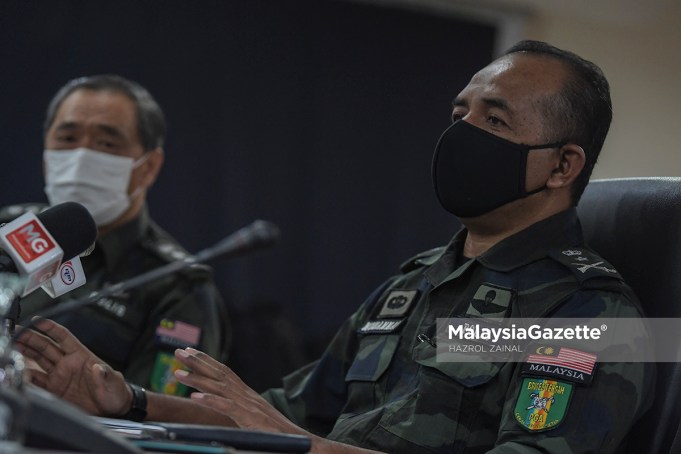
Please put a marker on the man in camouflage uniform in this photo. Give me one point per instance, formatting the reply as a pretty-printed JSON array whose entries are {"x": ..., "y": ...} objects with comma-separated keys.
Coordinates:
[
  {"x": 527, "y": 131},
  {"x": 100, "y": 124}
]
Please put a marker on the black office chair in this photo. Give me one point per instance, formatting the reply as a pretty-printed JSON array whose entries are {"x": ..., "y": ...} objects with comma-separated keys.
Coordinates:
[{"x": 635, "y": 223}]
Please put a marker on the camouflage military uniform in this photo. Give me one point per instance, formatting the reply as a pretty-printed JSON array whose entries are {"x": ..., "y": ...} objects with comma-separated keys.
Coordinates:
[
  {"x": 379, "y": 387},
  {"x": 136, "y": 332}
]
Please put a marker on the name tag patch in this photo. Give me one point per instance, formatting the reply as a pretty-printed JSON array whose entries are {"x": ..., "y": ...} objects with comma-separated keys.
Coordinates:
[
  {"x": 380, "y": 326},
  {"x": 542, "y": 404}
]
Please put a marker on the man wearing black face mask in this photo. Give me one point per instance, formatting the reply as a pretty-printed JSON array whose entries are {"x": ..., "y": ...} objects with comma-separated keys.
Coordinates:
[{"x": 527, "y": 132}]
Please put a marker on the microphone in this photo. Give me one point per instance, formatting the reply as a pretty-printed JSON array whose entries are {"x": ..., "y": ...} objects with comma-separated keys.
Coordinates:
[
  {"x": 33, "y": 246},
  {"x": 257, "y": 235}
]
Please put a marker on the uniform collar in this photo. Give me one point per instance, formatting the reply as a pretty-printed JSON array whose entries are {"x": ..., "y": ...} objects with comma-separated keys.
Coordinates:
[
  {"x": 448, "y": 261},
  {"x": 115, "y": 245},
  {"x": 527, "y": 246},
  {"x": 533, "y": 243}
]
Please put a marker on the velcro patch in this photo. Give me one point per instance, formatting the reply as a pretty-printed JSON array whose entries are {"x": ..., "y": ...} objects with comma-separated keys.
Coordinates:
[
  {"x": 490, "y": 301},
  {"x": 542, "y": 404},
  {"x": 564, "y": 364},
  {"x": 397, "y": 303},
  {"x": 177, "y": 334},
  {"x": 380, "y": 326}
]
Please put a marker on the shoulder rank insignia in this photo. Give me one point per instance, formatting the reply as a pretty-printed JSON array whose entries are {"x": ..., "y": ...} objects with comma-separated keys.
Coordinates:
[
  {"x": 584, "y": 264},
  {"x": 167, "y": 250},
  {"x": 11, "y": 212},
  {"x": 423, "y": 259},
  {"x": 542, "y": 404}
]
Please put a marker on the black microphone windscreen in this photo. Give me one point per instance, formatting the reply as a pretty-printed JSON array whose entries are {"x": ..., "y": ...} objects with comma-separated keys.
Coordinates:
[{"x": 71, "y": 225}]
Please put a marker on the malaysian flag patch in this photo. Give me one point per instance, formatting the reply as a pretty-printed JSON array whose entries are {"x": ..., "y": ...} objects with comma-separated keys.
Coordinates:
[
  {"x": 177, "y": 334},
  {"x": 564, "y": 363}
]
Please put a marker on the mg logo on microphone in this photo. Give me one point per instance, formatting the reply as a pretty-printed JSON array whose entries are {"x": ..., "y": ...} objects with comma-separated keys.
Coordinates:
[{"x": 30, "y": 241}]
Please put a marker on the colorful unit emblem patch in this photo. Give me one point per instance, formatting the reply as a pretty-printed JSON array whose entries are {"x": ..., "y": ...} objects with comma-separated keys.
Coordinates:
[
  {"x": 163, "y": 377},
  {"x": 542, "y": 404},
  {"x": 171, "y": 334}
]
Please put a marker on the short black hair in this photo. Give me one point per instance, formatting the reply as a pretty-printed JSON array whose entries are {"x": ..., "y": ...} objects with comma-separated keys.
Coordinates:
[
  {"x": 151, "y": 124},
  {"x": 583, "y": 111}
]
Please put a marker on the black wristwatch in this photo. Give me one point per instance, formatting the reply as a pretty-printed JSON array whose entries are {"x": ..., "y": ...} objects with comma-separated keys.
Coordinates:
[{"x": 138, "y": 409}]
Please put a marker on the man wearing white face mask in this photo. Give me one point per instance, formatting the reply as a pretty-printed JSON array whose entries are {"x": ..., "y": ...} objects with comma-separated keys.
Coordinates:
[
  {"x": 103, "y": 148},
  {"x": 97, "y": 180}
]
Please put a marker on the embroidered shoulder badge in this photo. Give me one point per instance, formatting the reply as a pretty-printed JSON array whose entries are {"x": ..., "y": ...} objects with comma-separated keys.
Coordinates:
[
  {"x": 163, "y": 376},
  {"x": 542, "y": 404},
  {"x": 490, "y": 301}
]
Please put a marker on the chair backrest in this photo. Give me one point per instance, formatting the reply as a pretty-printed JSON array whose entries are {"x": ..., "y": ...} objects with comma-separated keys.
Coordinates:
[{"x": 635, "y": 223}]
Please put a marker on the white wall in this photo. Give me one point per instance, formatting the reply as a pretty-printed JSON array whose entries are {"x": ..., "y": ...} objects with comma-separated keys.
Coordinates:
[
  {"x": 637, "y": 43},
  {"x": 642, "y": 61}
]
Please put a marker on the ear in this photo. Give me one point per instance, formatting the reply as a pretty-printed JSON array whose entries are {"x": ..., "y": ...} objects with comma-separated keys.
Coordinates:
[
  {"x": 151, "y": 167},
  {"x": 571, "y": 161}
]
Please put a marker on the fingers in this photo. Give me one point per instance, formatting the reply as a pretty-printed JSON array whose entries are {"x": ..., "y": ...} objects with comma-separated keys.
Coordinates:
[
  {"x": 39, "y": 379},
  {"x": 41, "y": 349},
  {"x": 59, "y": 334},
  {"x": 192, "y": 354},
  {"x": 223, "y": 391},
  {"x": 207, "y": 374},
  {"x": 201, "y": 363}
]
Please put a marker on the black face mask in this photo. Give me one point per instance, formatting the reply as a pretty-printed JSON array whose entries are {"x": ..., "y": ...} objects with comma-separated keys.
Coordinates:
[{"x": 475, "y": 171}]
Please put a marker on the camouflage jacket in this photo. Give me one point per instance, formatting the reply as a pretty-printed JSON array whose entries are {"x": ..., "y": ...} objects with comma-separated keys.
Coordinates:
[
  {"x": 137, "y": 331},
  {"x": 378, "y": 386}
]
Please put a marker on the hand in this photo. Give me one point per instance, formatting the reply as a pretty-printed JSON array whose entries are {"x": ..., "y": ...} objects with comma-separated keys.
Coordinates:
[
  {"x": 71, "y": 371},
  {"x": 223, "y": 391}
]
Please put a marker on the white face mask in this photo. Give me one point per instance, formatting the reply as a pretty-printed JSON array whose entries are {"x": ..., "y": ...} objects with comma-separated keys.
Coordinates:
[{"x": 99, "y": 181}]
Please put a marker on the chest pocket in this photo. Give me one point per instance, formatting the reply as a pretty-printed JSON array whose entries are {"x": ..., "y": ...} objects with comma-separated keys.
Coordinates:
[
  {"x": 373, "y": 358},
  {"x": 456, "y": 406}
]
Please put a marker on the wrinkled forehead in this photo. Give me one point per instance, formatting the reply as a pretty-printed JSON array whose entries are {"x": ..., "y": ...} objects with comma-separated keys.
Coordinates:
[
  {"x": 84, "y": 106},
  {"x": 520, "y": 75}
]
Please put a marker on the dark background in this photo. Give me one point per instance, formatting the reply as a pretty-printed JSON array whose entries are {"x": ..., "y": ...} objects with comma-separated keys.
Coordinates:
[{"x": 320, "y": 116}]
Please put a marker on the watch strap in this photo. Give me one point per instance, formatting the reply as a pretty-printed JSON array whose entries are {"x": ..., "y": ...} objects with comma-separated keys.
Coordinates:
[{"x": 138, "y": 408}]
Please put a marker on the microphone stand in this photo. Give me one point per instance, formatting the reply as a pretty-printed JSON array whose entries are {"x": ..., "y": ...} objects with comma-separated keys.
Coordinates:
[
  {"x": 254, "y": 236},
  {"x": 32, "y": 415}
]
